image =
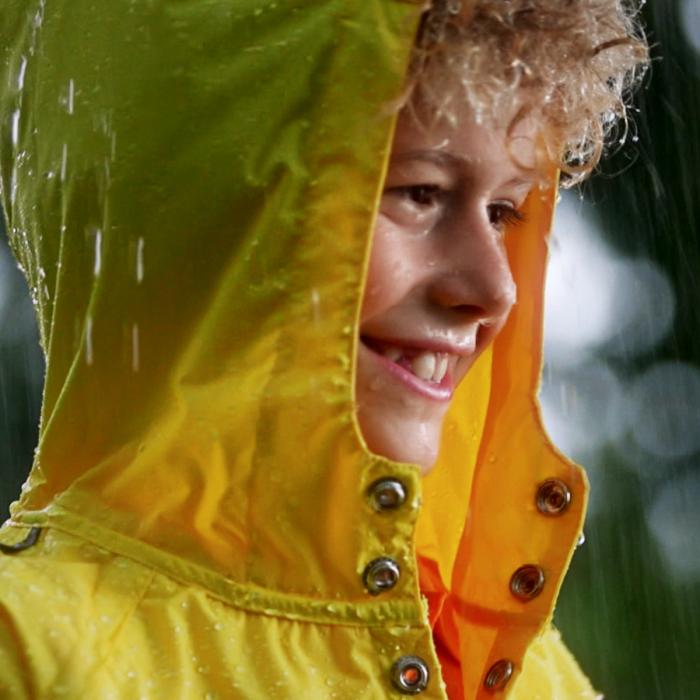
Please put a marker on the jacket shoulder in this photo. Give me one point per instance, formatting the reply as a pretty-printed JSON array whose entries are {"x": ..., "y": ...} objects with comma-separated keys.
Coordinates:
[
  {"x": 550, "y": 672},
  {"x": 62, "y": 603}
]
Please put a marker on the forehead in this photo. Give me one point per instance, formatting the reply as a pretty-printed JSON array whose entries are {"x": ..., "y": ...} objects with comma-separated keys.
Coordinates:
[{"x": 512, "y": 143}]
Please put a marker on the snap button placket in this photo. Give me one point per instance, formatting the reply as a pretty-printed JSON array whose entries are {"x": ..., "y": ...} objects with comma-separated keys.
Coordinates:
[
  {"x": 527, "y": 582},
  {"x": 410, "y": 675},
  {"x": 553, "y": 497},
  {"x": 387, "y": 494},
  {"x": 381, "y": 575},
  {"x": 498, "y": 675}
]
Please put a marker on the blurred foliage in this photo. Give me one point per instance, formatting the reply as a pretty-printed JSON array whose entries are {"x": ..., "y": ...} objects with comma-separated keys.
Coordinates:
[{"x": 631, "y": 625}]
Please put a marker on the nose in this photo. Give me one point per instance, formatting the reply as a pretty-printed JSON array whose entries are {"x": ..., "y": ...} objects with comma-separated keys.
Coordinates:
[{"x": 474, "y": 277}]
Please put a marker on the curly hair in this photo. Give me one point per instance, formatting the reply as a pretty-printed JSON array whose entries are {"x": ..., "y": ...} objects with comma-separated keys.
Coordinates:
[{"x": 571, "y": 64}]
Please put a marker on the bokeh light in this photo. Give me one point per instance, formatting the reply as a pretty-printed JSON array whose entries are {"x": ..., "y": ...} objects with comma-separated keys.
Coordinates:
[
  {"x": 664, "y": 410},
  {"x": 674, "y": 522},
  {"x": 690, "y": 21}
]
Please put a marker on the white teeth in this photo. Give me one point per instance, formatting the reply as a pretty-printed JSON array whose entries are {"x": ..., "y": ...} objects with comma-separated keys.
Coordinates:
[
  {"x": 441, "y": 369},
  {"x": 428, "y": 366},
  {"x": 423, "y": 365},
  {"x": 392, "y": 354}
]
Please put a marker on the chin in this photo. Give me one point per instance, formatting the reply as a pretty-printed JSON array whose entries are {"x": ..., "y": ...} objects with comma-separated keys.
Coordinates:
[{"x": 413, "y": 443}]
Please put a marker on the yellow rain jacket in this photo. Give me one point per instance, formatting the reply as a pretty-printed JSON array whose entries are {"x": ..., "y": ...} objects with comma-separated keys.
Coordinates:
[{"x": 190, "y": 187}]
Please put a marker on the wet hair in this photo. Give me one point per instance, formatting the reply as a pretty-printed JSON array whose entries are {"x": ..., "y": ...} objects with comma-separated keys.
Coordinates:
[{"x": 570, "y": 64}]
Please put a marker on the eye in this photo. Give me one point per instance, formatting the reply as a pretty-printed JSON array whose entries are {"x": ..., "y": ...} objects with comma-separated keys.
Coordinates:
[
  {"x": 502, "y": 214},
  {"x": 420, "y": 195}
]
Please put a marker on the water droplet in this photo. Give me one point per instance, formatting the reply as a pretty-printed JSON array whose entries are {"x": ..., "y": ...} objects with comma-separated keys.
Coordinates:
[
  {"x": 64, "y": 161},
  {"x": 70, "y": 100},
  {"x": 21, "y": 73},
  {"x": 139, "y": 260},
  {"x": 15, "y": 127},
  {"x": 98, "y": 252}
]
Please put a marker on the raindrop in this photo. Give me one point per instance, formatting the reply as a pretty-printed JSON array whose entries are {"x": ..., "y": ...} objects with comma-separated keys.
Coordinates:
[
  {"x": 139, "y": 260},
  {"x": 88, "y": 340},
  {"x": 98, "y": 252},
  {"x": 70, "y": 102},
  {"x": 135, "y": 353},
  {"x": 64, "y": 161},
  {"x": 22, "y": 72},
  {"x": 15, "y": 127}
]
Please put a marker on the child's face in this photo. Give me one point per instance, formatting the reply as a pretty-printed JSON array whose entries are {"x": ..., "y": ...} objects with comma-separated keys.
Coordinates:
[{"x": 439, "y": 286}]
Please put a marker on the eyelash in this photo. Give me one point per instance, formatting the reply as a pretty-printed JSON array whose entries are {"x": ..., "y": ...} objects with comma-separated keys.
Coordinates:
[
  {"x": 508, "y": 215},
  {"x": 417, "y": 193}
]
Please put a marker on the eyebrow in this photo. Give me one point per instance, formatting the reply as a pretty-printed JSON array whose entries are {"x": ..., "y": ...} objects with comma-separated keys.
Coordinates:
[
  {"x": 432, "y": 156},
  {"x": 450, "y": 160}
]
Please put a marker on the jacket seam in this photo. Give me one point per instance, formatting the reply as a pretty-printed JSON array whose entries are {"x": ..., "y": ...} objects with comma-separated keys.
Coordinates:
[{"x": 244, "y": 597}]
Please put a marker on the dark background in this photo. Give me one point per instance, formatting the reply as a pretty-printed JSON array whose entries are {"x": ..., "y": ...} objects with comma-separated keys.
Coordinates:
[
  {"x": 628, "y": 613},
  {"x": 632, "y": 621}
]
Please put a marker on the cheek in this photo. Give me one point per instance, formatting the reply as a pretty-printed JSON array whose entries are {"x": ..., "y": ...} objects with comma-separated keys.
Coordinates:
[{"x": 391, "y": 272}]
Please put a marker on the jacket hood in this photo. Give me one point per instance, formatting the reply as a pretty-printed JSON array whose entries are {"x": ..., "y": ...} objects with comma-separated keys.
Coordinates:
[{"x": 191, "y": 188}]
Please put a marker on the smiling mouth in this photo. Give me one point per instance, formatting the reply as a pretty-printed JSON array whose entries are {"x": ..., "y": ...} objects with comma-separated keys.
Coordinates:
[{"x": 428, "y": 366}]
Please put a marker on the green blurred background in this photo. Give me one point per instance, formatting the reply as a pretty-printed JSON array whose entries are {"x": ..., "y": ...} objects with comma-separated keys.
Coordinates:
[{"x": 630, "y": 606}]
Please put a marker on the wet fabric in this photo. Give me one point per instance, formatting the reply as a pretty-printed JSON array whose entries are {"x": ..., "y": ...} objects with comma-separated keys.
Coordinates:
[{"x": 190, "y": 188}]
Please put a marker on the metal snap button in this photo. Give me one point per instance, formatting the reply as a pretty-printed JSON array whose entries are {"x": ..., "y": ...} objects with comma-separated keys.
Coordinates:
[
  {"x": 410, "y": 675},
  {"x": 387, "y": 494},
  {"x": 527, "y": 582},
  {"x": 29, "y": 541},
  {"x": 381, "y": 575},
  {"x": 553, "y": 497},
  {"x": 498, "y": 675}
]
